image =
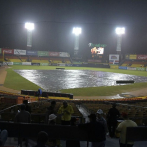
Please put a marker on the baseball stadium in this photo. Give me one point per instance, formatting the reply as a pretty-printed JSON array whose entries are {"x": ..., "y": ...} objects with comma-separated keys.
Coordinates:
[{"x": 86, "y": 85}]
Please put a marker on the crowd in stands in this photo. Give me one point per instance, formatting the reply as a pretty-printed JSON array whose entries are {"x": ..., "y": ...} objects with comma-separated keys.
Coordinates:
[{"x": 98, "y": 127}]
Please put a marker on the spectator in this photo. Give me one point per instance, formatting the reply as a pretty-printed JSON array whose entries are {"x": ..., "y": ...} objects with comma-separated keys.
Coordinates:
[
  {"x": 65, "y": 110},
  {"x": 101, "y": 119},
  {"x": 112, "y": 117},
  {"x": 122, "y": 130},
  {"x": 52, "y": 119},
  {"x": 42, "y": 139},
  {"x": 50, "y": 110},
  {"x": 96, "y": 132},
  {"x": 24, "y": 117},
  {"x": 28, "y": 108},
  {"x": 3, "y": 137},
  {"x": 73, "y": 143},
  {"x": 39, "y": 93}
]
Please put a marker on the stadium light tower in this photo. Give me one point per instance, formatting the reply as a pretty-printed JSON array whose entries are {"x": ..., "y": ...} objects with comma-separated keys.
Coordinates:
[
  {"x": 30, "y": 27},
  {"x": 77, "y": 31},
  {"x": 119, "y": 32}
]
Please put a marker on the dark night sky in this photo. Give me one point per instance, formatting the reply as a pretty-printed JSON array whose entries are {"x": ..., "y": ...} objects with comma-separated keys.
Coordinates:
[{"x": 54, "y": 20}]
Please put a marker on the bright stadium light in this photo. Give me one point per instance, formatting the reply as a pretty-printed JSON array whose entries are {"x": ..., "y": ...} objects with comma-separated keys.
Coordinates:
[
  {"x": 77, "y": 31},
  {"x": 120, "y": 31},
  {"x": 29, "y": 26}
]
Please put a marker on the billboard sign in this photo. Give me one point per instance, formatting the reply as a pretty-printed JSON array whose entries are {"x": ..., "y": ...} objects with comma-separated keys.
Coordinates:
[
  {"x": 142, "y": 57},
  {"x": 131, "y": 68},
  {"x": 26, "y": 63},
  {"x": 123, "y": 67},
  {"x": 17, "y": 63},
  {"x": 97, "y": 51},
  {"x": 44, "y": 64},
  {"x": 141, "y": 68},
  {"x": 113, "y": 59},
  {"x": 7, "y": 51},
  {"x": 7, "y": 63},
  {"x": 132, "y": 56},
  {"x": 32, "y": 53},
  {"x": 19, "y": 52},
  {"x": 54, "y": 54},
  {"x": 93, "y": 61},
  {"x": 64, "y": 54},
  {"x": 43, "y": 53}
]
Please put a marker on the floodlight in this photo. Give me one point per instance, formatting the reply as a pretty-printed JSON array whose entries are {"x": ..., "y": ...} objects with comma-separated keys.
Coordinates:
[
  {"x": 77, "y": 31},
  {"x": 120, "y": 31},
  {"x": 29, "y": 26}
]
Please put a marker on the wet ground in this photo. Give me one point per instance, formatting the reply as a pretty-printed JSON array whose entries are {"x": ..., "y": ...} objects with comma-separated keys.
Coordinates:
[{"x": 54, "y": 80}]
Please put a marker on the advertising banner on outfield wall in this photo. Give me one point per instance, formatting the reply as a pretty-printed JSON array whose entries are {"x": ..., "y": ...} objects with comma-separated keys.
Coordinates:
[
  {"x": 32, "y": 53},
  {"x": 114, "y": 66},
  {"x": 113, "y": 59},
  {"x": 0, "y": 51},
  {"x": 26, "y": 63},
  {"x": 142, "y": 57},
  {"x": 131, "y": 68},
  {"x": 141, "y": 68},
  {"x": 123, "y": 67},
  {"x": 19, "y": 52},
  {"x": 64, "y": 54},
  {"x": 54, "y": 54},
  {"x": 61, "y": 64},
  {"x": 7, "y": 63},
  {"x": 44, "y": 64},
  {"x": 37, "y": 64},
  {"x": 93, "y": 61},
  {"x": 7, "y": 51},
  {"x": 132, "y": 56},
  {"x": 43, "y": 53},
  {"x": 17, "y": 63}
]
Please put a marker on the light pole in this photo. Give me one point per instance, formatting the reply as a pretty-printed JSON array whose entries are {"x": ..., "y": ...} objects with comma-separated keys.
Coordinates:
[
  {"x": 119, "y": 32},
  {"x": 30, "y": 28},
  {"x": 77, "y": 31}
]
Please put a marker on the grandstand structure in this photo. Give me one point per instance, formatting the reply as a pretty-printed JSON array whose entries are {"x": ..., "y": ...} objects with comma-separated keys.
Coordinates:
[{"x": 10, "y": 102}]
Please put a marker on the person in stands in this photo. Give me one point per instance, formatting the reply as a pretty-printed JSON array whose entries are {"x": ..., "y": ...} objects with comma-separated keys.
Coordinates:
[
  {"x": 28, "y": 108},
  {"x": 50, "y": 110},
  {"x": 96, "y": 131},
  {"x": 3, "y": 137},
  {"x": 42, "y": 139},
  {"x": 39, "y": 93},
  {"x": 113, "y": 115},
  {"x": 122, "y": 130},
  {"x": 101, "y": 119},
  {"x": 65, "y": 111},
  {"x": 52, "y": 121},
  {"x": 73, "y": 143},
  {"x": 23, "y": 117}
]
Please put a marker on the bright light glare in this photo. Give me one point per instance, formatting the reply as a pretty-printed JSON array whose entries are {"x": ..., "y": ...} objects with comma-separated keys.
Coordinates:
[
  {"x": 29, "y": 26},
  {"x": 120, "y": 31},
  {"x": 77, "y": 31}
]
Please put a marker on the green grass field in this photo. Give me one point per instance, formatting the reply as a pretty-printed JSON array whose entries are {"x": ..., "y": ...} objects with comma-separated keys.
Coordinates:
[{"x": 17, "y": 82}]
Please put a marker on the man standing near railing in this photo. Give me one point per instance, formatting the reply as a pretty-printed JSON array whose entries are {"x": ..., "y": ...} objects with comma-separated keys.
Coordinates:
[{"x": 122, "y": 127}]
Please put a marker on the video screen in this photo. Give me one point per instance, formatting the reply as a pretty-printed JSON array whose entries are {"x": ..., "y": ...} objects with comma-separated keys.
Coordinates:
[{"x": 97, "y": 51}]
